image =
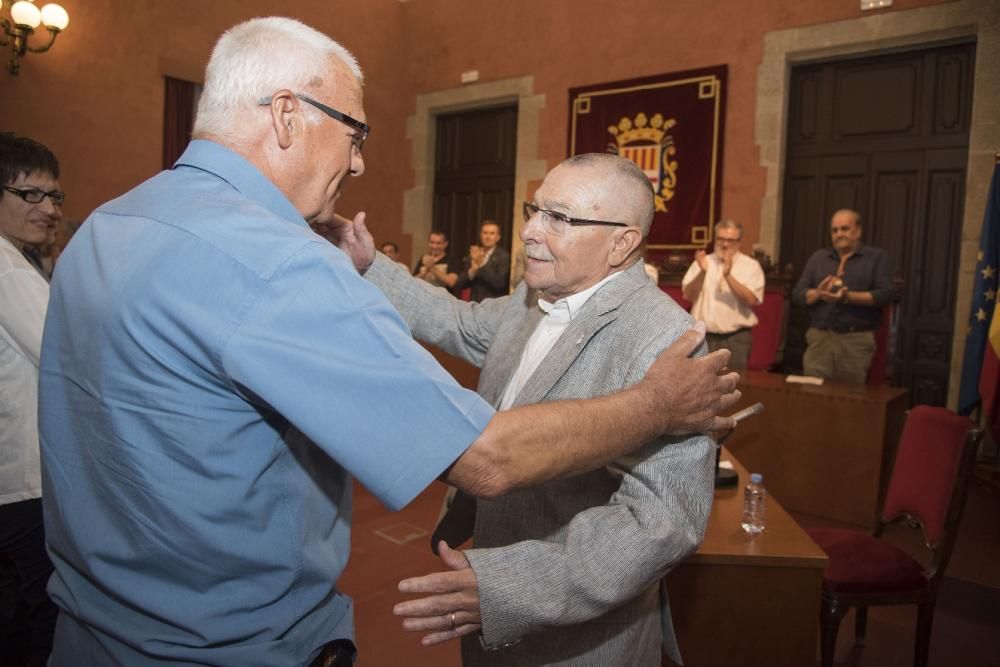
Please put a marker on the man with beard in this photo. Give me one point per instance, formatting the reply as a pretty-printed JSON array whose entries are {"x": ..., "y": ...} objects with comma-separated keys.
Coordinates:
[{"x": 723, "y": 287}]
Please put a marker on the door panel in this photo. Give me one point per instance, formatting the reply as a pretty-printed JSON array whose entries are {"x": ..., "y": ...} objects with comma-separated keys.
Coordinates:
[
  {"x": 474, "y": 175},
  {"x": 892, "y": 144}
]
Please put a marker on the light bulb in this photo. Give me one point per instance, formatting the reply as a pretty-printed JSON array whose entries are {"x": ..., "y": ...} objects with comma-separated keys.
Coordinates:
[
  {"x": 25, "y": 13},
  {"x": 55, "y": 17}
]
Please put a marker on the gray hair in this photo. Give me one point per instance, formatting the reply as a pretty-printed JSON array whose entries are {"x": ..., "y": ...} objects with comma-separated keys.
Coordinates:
[
  {"x": 254, "y": 59},
  {"x": 729, "y": 224},
  {"x": 636, "y": 187}
]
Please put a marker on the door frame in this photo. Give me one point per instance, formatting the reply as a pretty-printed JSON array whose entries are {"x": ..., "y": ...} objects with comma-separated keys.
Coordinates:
[
  {"x": 979, "y": 19},
  {"x": 421, "y": 129}
]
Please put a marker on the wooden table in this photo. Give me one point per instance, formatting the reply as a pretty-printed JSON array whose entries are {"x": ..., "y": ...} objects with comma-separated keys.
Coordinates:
[
  {"x": 748, "y": 601},
  {"x": 824, "y": 451}
]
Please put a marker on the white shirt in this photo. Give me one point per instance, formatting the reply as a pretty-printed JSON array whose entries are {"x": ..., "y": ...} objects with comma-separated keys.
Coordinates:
[
  {"x": 24, "y": 296},
  {"x": 557, "y": 318},
  {"x": 717, "y": 306}
]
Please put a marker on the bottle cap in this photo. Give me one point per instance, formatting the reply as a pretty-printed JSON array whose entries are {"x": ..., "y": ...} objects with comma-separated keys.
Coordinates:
[{"x": 756, "y": 478}]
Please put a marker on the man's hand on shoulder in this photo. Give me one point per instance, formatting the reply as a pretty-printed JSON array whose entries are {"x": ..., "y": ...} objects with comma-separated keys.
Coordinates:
[
  {"x": 690, "y": 393},
  {"x": 353, "y": 237}
]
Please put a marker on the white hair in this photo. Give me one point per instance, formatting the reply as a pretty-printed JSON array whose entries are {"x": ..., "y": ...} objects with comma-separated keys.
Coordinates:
[
  {"x": 729, "y": 224},
  {"x": 254, "y": 59}
]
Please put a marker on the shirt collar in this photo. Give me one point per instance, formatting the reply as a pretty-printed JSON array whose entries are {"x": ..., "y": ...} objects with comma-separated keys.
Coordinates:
[
  {"x": 568, "y": 306},
  {"x": 859, "y": 251},
  {"x": 236, "y": 170}
]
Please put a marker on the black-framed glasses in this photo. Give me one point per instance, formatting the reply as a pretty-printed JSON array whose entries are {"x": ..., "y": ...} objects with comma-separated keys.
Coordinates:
[
  {"x": 556, "y": 222},
  {"x": 357, "y": 141},
  {"x": 35, "y": 196}
]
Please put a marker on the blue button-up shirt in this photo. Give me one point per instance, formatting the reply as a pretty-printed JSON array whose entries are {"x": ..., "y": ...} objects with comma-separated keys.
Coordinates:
[{"x": 212, "y": 374}]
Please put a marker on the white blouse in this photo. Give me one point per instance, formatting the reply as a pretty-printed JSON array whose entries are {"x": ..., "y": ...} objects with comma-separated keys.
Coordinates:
[{"x": 24, "y": 297}]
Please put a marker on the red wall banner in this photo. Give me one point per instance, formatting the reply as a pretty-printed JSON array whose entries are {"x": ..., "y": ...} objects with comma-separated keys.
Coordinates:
[{"x": 671, "y": 126}]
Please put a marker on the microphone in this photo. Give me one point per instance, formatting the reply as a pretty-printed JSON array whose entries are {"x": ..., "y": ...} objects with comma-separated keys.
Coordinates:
[
  {"x": 725, "y": 478},
  {"x": 754, "y": 409}
]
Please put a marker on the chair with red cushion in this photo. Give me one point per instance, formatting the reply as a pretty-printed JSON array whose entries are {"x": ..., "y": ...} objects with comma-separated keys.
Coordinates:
[
  {"x": 927, "y": 489},
  {"x": 877, "y": 370}
]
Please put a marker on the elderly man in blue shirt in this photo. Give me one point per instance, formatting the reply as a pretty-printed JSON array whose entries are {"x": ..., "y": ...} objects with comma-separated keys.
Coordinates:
[{"x": 213, "y": 374}]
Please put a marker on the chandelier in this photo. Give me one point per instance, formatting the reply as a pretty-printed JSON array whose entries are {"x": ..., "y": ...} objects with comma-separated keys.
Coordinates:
[{"x": 24, "y": 18}]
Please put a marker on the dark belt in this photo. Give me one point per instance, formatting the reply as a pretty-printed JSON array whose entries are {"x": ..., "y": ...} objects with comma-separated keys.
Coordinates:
[
  {"x": 851, "y": 328},
  {"x": 338, "y": 653}
]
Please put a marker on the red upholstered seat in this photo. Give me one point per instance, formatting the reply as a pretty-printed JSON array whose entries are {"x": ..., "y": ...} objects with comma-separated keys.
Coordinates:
[
  {"x": 929, "y": 479},
  {"x": 880, "y": 360},
  {"x": 765, "y": 337},
  {"x": 861, "y": 563}
]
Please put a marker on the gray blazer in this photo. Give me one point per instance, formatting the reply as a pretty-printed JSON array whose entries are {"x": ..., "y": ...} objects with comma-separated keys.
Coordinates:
[{"x": 570, "y": 571}]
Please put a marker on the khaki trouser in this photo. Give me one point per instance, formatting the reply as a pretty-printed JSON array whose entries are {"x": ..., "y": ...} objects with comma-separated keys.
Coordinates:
[
  {"x": 737, "y": 342},
  {"x": 841, "y": 357}
]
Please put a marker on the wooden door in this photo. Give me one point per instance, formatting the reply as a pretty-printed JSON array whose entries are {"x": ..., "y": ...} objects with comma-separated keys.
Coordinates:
[
  {"x": 474, "y": 175},
  {"x": 885, "y": 135}
]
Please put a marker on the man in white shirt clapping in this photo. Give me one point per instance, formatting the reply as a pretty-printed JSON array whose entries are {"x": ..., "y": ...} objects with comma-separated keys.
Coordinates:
[{"x": 724, "y": 286}]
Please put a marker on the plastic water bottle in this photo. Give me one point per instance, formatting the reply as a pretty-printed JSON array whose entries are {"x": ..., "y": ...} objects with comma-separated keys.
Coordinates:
[{"x": 754, "y": 497}]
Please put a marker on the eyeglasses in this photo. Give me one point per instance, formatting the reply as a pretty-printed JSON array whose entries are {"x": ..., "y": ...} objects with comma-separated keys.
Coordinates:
[
  {"x": 357, "y": 141},
  {"x": 556, "y": 222},
  {"x": 723, "y": 239},
  {"x": 35, "y": 196}
]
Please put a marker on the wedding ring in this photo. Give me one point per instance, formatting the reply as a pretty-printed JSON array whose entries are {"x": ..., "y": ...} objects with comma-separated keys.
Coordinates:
[{"x": 452, "y": 620}]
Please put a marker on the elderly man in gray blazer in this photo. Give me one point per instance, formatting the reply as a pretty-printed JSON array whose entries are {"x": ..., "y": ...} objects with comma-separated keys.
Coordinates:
[{"x": 569, "y": 572}]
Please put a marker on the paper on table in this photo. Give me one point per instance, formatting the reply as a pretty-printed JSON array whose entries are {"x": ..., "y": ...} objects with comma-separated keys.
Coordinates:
[{"x": 804, "y": 379}]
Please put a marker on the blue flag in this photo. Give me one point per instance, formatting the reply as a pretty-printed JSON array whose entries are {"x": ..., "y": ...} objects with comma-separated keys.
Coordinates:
[{"x": 984, "y": 299}]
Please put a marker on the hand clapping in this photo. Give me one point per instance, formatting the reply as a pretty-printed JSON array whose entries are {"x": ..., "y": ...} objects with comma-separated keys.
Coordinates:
[{"x": 831, "y": 289}]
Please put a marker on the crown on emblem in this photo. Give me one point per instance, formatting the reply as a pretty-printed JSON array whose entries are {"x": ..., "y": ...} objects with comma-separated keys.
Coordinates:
[{"x": 641, "y": 128}]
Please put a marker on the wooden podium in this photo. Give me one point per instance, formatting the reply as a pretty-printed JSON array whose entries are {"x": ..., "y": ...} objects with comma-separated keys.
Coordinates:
[
  {"x": 824, "y": 451},
  {"x": 742, "y": 600}
]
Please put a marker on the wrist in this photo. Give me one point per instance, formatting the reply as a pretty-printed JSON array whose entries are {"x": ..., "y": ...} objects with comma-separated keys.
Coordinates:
[{"x": 843, "y": 296}]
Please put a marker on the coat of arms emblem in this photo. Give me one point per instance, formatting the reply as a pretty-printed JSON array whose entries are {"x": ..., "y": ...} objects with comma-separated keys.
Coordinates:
[{"x": 648, "y": 143}]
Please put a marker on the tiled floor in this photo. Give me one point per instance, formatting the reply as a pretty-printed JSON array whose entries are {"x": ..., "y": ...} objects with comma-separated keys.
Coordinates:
[{"x": 391, "y": 546}]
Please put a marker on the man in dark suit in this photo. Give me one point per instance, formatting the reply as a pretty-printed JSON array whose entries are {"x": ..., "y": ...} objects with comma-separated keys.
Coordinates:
[{"x": 487, "y": 267}]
